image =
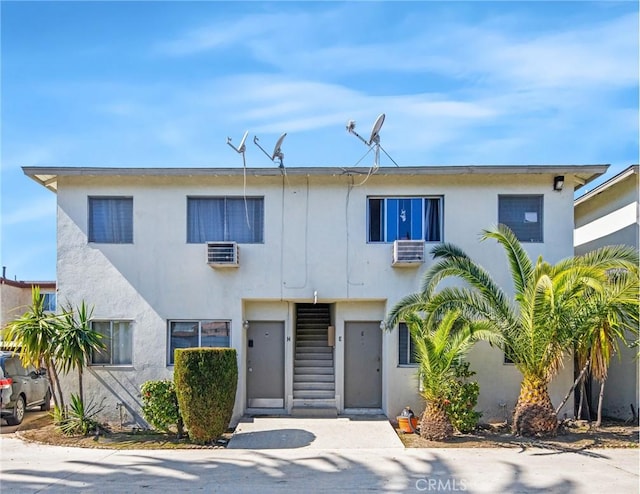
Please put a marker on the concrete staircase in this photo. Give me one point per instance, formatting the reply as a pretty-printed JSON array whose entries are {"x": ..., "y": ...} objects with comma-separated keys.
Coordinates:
[{"x": 313, "y": 373}]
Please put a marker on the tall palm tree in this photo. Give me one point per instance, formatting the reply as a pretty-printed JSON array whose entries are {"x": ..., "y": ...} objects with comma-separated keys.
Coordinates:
[
  {"x": 538, "y": 325},
  {"x": 77, "y": 341},
  {"x": 438, "y": 347},
  {"x": 36, "y": 333}
]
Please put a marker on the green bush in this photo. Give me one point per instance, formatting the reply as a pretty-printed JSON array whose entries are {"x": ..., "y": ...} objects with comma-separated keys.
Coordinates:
[
  {"x": 160, "y": 406},
  {"x": 79, "y": 419},
  {"x": 462, "y": 399},
  {"x": 206, "y": 380}
]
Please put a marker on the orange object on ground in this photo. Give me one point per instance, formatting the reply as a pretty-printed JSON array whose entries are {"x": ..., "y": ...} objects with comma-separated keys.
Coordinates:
[{"x": 406, "y": 426}]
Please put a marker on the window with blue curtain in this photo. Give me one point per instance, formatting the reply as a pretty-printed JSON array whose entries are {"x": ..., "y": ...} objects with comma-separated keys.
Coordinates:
[
  {"x": 405, "y": 218},
  {"x": 236, "y": 219},
  {"x": 111, "y": 220}
]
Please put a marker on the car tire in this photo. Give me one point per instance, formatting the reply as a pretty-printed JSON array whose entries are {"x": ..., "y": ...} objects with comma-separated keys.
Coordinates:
[
  {"x": 18, "y": 412},
  {"x": 46, "y": 406}
]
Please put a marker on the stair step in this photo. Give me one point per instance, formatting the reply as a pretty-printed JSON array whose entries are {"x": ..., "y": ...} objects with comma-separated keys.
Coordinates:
[
  {"x": 314, "y": 386},
  {"x": 311, "y": 394},
  {"x": 317, "y": 412},
  {"x": 314, "y": 349},
  {"x": 308, "y": 343},
  {"x": 313, "y": 370},
  {"x": 301, "y": 378},
  {"x": 314, "y": 363},
  {"x": 313, "y": 356}
]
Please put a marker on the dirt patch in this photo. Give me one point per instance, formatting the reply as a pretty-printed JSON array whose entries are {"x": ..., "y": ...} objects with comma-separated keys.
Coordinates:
[
  {"x": 572, "y": 436},
  {"x": 43, "y": 431}
]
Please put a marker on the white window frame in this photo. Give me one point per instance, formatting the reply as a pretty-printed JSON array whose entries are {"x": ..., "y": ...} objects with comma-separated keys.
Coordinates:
[
  {"x": 385, "y": 218},
  {"x": 408, "y": 354},
  {"x": 193, "y": 321},
  {"x": 110, "y": 350},
  {"x": 47, "y": 298},
  {"x": 227, "y": 236}
]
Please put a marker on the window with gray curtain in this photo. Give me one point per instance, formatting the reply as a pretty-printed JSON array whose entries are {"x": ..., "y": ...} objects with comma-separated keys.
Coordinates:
[
  {"x": 405, "y": 218},
  {"x": 111, "y": 220},
  {"x": 406, "y": 346},
  {"x": 523, "y": 214},
  {"x": 234, "y": 219},
  {"x": 189, "y": 334},
  {"x": 117, "y": 338}
]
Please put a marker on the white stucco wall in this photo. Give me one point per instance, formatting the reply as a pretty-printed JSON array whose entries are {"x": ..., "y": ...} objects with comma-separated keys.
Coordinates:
[{"x": 315, "y": 240}]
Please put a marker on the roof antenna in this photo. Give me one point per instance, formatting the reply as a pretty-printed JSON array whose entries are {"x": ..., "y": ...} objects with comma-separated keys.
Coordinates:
[
  {"x": 277, "y": 151},
  {"x": 241, "y": 149},
  {"x": 374, "y": 139}
]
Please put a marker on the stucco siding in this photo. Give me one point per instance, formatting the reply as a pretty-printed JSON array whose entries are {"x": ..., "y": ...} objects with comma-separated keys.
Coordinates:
[{"x": 315, "y": 240}]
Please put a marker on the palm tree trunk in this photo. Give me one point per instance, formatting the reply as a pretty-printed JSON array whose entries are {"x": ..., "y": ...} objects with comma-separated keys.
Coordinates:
[
  {"x": 435, "y": 424},
  {"x": 573, "y": 386},
  {"x": 80, "y": 385},
  {"x": 54, "y": 395},
  {"x": 599, "y": 419},
  {"x": 56, "y": 378},
  {"x": 534, "y": 414}
]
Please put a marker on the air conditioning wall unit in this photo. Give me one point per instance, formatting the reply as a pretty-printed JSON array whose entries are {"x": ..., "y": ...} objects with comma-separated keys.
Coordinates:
[
  {"x": 408, "y": 253},
  {"x": 223, "y": 254}
]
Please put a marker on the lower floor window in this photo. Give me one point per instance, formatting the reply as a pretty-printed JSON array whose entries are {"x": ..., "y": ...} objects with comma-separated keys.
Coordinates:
[
  {"x": 189, "y": 334},
  {"x": 406, "y": 345},
  {"x": 117, "y": 339}
]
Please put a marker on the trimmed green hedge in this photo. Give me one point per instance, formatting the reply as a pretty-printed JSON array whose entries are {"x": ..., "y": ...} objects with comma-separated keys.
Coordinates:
[
  {"x": 206, "y": 380},
  {"x": 160, "y": 405}
]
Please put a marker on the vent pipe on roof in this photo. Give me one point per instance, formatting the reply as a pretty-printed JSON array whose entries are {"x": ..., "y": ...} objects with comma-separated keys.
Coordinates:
[{"x": 4, "y": 271}]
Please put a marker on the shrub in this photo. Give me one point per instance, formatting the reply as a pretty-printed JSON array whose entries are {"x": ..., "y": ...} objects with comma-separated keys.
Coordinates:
[
  {"x": 206, "y": 380},
  {"x": 462, "y": 399},
  {"x": 79, "y": 419},
  {"x": 160, "y": 406}
]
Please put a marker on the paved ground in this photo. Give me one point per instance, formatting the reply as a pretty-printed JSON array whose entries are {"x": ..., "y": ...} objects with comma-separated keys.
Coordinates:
[
  {"x": 304, "y": 463},
  {"x": 328, "y": 433}
]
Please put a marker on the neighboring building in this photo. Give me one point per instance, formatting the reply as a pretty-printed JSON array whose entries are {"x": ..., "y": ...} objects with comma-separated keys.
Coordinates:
[
  {"x": 15, "y": 297},
  {"x": 609, "y": 215},
  {"x": 294, "y": 268}
]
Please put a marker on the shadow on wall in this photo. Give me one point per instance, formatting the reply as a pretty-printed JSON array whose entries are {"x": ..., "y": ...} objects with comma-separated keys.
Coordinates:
[{"x": 123, "y": 398}]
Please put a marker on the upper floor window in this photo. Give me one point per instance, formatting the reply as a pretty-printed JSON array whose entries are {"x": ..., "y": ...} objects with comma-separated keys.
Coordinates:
[
  {"x": 405, "y": 218},
  {"x": 523, "y": 215},
  {"x": 117, "y": 338},
  {"x": 111, "y": 220},
  {"x": 406, "y": 346},
  {"x": 235, "y": 219},
  {"x": 188, "y": 334}
]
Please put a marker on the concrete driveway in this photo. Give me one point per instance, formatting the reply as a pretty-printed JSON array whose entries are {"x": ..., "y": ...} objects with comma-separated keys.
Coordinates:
[
  {"x": 29, "y": 417},
  {"x": 31, "y": 468}
]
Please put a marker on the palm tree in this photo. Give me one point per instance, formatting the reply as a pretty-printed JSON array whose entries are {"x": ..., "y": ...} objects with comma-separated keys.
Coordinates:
[
  {"x": 438, "y": 347},
  {"x": 538, "y": 326},
  {"x": 35, "y": 333},
  {"x": 615, "y": 316},
  {"x": 77, "y": 341}
]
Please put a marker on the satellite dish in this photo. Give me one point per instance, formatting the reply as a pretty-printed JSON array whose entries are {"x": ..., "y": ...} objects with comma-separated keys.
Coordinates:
[
  {"x": 375, "y": 131},
  {"x": 241, "y": 148},
  {"x": 277, "y": 152},
  {"x": 374, "y": 140}
]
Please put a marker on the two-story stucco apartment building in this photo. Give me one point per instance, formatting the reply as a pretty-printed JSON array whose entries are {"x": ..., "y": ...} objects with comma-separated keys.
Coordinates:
[{"x": 294, "y": 268}]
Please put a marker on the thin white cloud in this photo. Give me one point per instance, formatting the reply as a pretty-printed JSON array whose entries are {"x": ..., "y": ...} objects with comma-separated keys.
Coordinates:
[{"x": 40, "y": 209}]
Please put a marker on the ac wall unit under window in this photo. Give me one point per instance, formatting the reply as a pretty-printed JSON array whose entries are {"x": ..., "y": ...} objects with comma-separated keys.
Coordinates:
[
  {"x": 408, "y": 253},
  {"x": 222, "y": 254}
]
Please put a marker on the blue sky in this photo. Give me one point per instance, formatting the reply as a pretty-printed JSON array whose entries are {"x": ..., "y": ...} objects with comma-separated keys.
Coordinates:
[{"x": 164, "y": 83}]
